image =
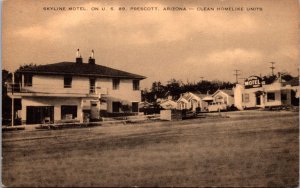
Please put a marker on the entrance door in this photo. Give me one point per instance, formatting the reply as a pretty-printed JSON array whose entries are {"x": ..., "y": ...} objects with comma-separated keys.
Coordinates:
[
  {"x": 95, "y": 113},
  {"x": 116, "y": 106},
  {"x": 258, "y": 100},
  {"x": 135, "y": 107},
  {"x": 39, "y": 114},
  {"x": 294, "y": 99}
]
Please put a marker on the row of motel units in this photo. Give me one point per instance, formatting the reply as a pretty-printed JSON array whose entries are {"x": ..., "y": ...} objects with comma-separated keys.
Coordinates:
[
  {"x": 194, "y": 100},
  {"x": 254, "y": 93},
  {"x": 74, "y": 91}
]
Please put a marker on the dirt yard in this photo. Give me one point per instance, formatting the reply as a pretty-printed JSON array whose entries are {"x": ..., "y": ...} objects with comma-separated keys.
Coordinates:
[{"x": 256, "y": 149}]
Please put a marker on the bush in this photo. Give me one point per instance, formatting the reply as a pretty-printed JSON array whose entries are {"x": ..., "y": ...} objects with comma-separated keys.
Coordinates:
[
  {"x": 232, "y": 108},
  {"x": 152, "y": 110},
  {"x": 198, "y": 110},
  {"x": 120, "y": 114}
]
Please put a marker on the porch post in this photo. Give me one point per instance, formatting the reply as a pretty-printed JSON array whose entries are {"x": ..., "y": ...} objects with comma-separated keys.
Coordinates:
[{"x": 12, "y": 111}]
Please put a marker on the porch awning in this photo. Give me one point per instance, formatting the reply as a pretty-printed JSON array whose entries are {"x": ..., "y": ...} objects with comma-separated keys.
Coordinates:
[
  {"x": 258, "y": 93},
  {"x": 208, "y": 98},
  {"x": 109, "y": 98}
]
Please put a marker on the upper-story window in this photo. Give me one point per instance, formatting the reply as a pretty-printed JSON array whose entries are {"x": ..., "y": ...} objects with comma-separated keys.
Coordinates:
[
  {"x": 136, "y": 84},
  {"x": 116, "y": 84},
  {"x": 27, "y": 80},
  {"x": 67, "y": 82},
  {"x": 92, "y": 85}
]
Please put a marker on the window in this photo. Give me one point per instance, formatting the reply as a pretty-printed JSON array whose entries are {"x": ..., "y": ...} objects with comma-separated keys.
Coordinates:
[
  {"x": 68, "y": 112},
  {"x": 27, "y": 80},
  {"x": 136, "y": 84},
  {"x": 67, "y": 82},
  {"x": 246, "y": 97},
  {"x": 116, "y": 84},
  {"x": 270, "y": 97},
  {"x": 283, "y": 96},
  {"x": 92, "y": 85}
]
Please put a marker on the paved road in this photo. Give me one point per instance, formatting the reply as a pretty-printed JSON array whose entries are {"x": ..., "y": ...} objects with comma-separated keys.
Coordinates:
[{"x": 247, "y": 149}]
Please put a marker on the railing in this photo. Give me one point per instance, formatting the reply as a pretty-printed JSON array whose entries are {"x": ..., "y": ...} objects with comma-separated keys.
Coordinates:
[
  {"x": 13, "y": 88},
  {"x": 17, "y": 88}
]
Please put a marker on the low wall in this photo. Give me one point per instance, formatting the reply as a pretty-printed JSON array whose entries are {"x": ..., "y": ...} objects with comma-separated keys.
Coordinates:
[{"x": 170, "y": 115}]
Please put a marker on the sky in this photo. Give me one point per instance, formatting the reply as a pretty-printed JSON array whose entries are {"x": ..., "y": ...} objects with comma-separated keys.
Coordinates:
[{"x": 162, "y": 44}]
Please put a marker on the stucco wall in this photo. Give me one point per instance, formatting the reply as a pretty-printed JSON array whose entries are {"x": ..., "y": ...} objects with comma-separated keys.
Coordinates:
[
  {"x": 55, "y": 84},
  {"x": 124, "y": 94},
  {"x": 53, "y": 101},
  {"x": 80, "y": 85},
  {"x": 125, "y": 91}
]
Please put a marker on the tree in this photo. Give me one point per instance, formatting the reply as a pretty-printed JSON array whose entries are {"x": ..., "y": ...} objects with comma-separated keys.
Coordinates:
[
  {"x": 286, "y": 76},
  {"x": 6, "y": 101},
  {"x": 18, "y": 75},
  {"x": 174, "y": 88},
  {"x": 269, "y": 79},
  {"x": 158, "y": 90}
]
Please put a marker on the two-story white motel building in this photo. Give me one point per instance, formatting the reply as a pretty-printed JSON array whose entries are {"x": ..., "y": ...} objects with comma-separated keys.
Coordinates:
[{"x": 74, "y": 90}]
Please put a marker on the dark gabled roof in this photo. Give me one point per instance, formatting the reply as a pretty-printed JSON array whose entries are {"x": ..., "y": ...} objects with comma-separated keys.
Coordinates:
[
  {"x": 80, "y": 69},
  {"x": 227, "y": 91},
  {"x": 199, "y": 94}
]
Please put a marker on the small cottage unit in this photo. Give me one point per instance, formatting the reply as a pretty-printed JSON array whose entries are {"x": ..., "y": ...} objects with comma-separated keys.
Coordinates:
[
  {"x": 254, "y": 93},
  {"x": 168, "y": 104},
  {"x": 224, "y": 96},
  {"x": 78, "y": 91},
  {"x": 220, "y": 100},
  {"x": 192, "y": 101}
]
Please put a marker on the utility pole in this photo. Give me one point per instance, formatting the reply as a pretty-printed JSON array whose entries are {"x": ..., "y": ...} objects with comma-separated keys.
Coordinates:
[
  {"x": 12, "y": 100},
  {"x": 236, "y": 75},
  {"x": 272, "y": 67}
]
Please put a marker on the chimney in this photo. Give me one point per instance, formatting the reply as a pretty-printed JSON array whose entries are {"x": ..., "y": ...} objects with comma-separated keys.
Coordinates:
[
  {"x": 92, "y": 59},
  {"x": 78, "y": 57}
]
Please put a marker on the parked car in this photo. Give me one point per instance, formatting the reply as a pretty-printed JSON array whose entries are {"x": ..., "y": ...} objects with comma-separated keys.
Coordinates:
[{"x": 216, "y": 106}]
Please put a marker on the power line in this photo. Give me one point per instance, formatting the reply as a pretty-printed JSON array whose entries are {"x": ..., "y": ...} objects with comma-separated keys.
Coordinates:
[
  {"x": 272, "y": 67},
  {"x": 236, "y": 75}
]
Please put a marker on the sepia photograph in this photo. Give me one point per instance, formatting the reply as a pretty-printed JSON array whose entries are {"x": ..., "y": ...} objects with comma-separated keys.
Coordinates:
[{"x": 159, "y": 93}]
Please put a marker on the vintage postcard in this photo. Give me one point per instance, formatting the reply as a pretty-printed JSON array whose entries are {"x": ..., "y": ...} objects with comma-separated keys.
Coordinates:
[{"x": 162, "y": 93}]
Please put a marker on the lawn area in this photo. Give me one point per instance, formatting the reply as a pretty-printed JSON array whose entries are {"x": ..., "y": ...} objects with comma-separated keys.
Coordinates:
[{"x": 254, "y": 150}]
